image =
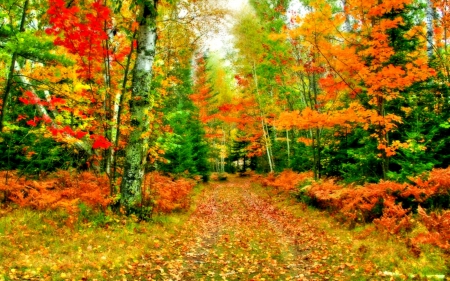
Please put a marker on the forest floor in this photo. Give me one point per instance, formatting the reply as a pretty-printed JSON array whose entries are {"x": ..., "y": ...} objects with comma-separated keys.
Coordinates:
[{"x": 235, "y": 230}]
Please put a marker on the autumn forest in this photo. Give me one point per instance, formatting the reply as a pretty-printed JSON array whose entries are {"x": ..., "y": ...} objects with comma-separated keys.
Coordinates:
[{"x": 313, "y": 145}]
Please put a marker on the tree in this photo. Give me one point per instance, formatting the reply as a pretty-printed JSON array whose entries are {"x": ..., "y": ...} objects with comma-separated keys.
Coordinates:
[{"x": 140, "y": 104}]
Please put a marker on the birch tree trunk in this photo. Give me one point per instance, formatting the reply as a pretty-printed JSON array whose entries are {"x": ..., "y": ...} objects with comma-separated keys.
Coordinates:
[
  {"x": 141, "y": 104},
  {"x": 263, "y": 123},
  {"x": 42, "y": 111},
  {"x": 9, "y": 82},
  {"x": 430, "y": 30}
]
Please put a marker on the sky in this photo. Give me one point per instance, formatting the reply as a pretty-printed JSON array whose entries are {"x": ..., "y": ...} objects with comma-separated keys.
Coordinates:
[{"x": 222, "y": 41}]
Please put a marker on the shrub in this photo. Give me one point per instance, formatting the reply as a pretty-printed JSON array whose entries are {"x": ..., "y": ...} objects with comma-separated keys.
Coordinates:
[
  {"x": 388, "y": 204},
  {"x": 69, "y": 191},
  {"x": 394, "y": 218},
  {"x": 167, "y": 194},
  {"x": 219, "y": 176},
  {"x": 438, "y": 226},
  {"x": 287, "y": 180},
  {"x": 60, "y": 190}
]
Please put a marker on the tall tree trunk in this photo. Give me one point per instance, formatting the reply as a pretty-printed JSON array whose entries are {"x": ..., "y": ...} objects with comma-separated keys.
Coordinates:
[
  {"x": 118, "y": 115},
  {"x": 141, "y": 104},
  {"x": 264, "y": 123},
  {"x": 288, "y": 150},
  {"x": 7, "y": 90},
  {"x": 316, "y": 143},
  {"x": 430, "y": 30},
  {"x": 383, "y": 136}
]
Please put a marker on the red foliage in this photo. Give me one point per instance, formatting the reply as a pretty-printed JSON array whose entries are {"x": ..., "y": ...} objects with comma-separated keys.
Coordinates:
[
  {"x": 81, "y": 32},
  {"x": 100, "y": 142}
]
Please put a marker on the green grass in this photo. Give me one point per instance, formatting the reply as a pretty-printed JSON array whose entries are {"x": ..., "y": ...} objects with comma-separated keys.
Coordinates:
[
  {"x": 39, "y": 245},
  {"x": 365, "y": 246},
  {"x": 99, "y": 245}
]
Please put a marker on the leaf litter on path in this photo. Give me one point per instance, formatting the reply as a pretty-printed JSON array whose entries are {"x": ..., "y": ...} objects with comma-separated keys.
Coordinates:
[
  {"x": 235, "y": 232},
  {"x": 236, "y": 235}
]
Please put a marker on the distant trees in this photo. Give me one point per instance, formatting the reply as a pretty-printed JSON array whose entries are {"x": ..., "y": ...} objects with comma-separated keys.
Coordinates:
[{"x": 346, "y": 91}]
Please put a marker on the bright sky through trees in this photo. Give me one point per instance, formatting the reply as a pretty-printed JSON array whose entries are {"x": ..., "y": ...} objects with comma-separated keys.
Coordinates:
[{"x": 221, "y": 41}]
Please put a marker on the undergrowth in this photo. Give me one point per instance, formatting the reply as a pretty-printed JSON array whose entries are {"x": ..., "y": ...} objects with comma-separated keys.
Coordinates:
[
  {"x": 366, "y": 248},
  {"x": 396, "y": 209},
  {"x": 74, "y": 192}
]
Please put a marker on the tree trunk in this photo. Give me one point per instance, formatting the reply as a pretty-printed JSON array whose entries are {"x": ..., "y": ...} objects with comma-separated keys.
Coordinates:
[
  {"x": 141, "y": 104},
  {"x": 7, "y": 91},
  {"x": 430, "y": 30},
  {"x": 263, "y": 123},
  {"x": 118, "y": 115},
  {"x": 288, "y": 150}
]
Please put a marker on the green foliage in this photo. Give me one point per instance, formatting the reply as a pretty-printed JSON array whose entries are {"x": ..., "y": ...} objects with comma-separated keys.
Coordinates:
[
  {"x": 188, "y": 148},
  {"x": 302, "y": 157},
  {"x": 27, "y": 151},
  {"x": 352, "y": 158},
  {"x": 96, "y": 218},
  {"x": 29, "y": 46},
  {"x": 239, "y": 151}
]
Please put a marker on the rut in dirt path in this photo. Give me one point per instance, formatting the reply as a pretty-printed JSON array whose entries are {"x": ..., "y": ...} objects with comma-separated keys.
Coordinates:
[{"x": 237, "y": 235}]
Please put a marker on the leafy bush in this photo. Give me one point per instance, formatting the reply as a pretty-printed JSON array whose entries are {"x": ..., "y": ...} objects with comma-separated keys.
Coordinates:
[
  {"x": 389, "y": 205},
  {"x": 167, "y": 194},
  {"x": 27, "y": 151},
  {"x": 60, "y": 190},
  {"x": 394, "y": 218},
  {"x": 87, "y": 192},
  {"x": 438, "y": 226},
  {"x": 219, "y": 176},
  {"x": 287, "y": 180}
]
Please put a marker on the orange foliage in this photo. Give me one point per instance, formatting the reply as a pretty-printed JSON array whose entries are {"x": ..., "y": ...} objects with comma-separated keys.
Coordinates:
[
  {"x": 287, "y": 180},
  {"x": 438, "y": 182},
  {"x": 63, "y": 190},
  {"x": 366, "y": 203},
  {"x": 167, "y": 194},
  {"x": 379, "y": 202},
  {"x": 394, "y": 218},
  {"x": 66, "y": 190},
  {"x": 438, "y": 226}
]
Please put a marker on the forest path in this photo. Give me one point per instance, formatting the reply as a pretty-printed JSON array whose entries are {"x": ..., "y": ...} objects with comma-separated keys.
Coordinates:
[
  {"x": 236, "y": 230},
  {"x": 237, "y": 234}
]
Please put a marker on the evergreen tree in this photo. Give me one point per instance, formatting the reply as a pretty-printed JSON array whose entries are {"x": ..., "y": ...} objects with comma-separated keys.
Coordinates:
[{"x": 187, "y": 149}]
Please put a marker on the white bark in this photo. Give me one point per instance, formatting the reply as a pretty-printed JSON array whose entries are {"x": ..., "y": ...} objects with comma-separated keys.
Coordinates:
[
  {"x": 430, "y": 30},
  {"x": 141, "y": 104},
  {"x": 79, "y": 144},
  {"x": 263, "y": 123}
]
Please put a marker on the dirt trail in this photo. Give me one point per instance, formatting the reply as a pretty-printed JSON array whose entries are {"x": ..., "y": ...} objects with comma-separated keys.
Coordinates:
[
  {"x": 235, "y": 234},
  {"x": 236, "y": 231}
]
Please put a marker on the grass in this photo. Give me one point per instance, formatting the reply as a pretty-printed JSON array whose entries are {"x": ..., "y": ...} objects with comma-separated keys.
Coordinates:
[
  {"x": 367, "y": 246},
  {"x": 39, "y": 246}
]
